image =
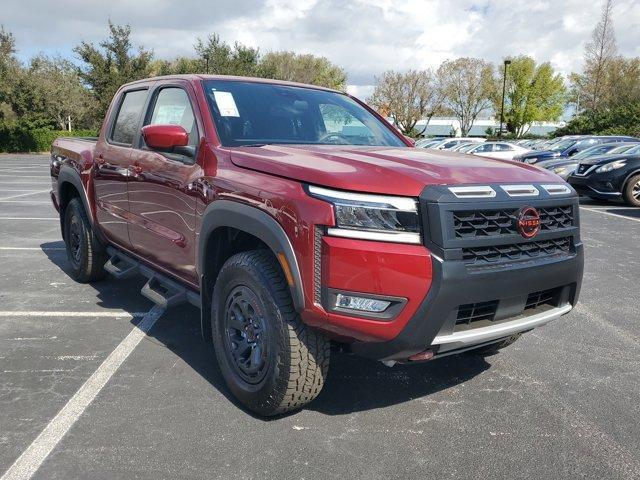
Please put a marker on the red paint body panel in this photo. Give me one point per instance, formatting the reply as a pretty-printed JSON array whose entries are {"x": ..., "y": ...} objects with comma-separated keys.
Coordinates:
[
  {"x": 397, "y": 170},
  {"x": 152, "y": 207},
  {"x": 379, "y": 268},
  {"x": 165, "y": 136}
]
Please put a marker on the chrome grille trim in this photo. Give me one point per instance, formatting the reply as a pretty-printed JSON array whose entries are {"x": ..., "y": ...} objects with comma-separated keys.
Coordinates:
[{"x": 520, "y": 190}]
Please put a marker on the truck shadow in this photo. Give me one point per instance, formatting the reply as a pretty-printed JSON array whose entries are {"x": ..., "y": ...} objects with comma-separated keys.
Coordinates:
[{"x": 354, "y": 383}]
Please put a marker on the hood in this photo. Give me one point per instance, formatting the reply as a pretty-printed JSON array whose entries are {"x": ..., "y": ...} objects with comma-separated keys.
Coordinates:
[
  {"x": 602, "y": 159},
  {"x": 557, "y": 162},
  {"x": 390, "y": 170}
]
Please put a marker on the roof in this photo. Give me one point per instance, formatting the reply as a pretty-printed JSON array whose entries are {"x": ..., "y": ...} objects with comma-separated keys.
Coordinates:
[{"x": 232, "y": 78}]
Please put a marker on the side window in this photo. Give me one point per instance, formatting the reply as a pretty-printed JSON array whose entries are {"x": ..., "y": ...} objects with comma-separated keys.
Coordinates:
[
  {"x": 338, "y": 121},
  {"x": 126, "y": 123},
  {"x": 503, "y": 147},
  {"x": 484, "y": 149},
  {"x": 172, "y": 107}
]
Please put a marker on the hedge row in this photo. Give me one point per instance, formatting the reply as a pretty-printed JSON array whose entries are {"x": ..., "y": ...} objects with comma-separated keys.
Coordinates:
[{"x": 19, "y": 139}]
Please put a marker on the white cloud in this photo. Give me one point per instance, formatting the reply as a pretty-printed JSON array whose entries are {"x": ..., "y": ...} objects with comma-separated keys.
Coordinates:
[{"x": 365, "y": 37}]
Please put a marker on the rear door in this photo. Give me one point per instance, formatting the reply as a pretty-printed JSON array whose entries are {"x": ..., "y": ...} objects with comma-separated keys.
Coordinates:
[
  {"x": 111, "y": 172},
  {"x": 161, "y": 193}
]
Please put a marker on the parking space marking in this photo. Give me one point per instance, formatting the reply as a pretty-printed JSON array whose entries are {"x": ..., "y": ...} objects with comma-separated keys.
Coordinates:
[
  {"x": 101, "y": 314},
  {"x": 30, "y": 460},
  {"x": 42, "y": 249},
  {"x": 31, "y": 192},
  {"x": 610, "y": 214}
]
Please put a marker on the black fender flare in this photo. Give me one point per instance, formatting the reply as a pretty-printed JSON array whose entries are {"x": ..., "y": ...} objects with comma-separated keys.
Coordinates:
[
  {"x": 256, "y": 222},
  {"x": 68, "y": 175}
]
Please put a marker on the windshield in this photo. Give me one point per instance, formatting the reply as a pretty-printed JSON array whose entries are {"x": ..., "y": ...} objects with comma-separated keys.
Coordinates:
[
  {"x": 251, "y": 113},
  {"x": 560, "y": 146},
  {"x": 622, "y": 149},
  {"x": 468, "y": 147},
  {"x": 593, "y": 151},
  {"x": 634, "y": 150}
]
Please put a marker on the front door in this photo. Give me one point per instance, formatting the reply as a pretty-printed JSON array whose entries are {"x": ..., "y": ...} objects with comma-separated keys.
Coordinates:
[
  {"x": 111, "y": 171},
  {"x": 161, "y": 198}
]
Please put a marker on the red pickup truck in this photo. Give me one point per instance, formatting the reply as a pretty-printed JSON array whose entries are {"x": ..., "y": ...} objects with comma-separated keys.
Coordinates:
[{"x": 297, "y": 218}]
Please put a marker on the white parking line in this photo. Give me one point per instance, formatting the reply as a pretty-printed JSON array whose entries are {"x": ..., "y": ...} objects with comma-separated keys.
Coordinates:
[
  {"x": 101, "y": 314},
  {"x": 42, "y": 249},
  {"x": 31, "y": 192},
  {"x": 29, "y": 462},
  {"x": 610, "y": 214}
]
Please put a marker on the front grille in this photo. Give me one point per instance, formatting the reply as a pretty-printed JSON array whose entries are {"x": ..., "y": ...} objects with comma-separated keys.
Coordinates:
[
  {"x": 544, "y": 297},
  {"x": 517, "y": 251},
  {"x": 491, "y": 223},
  {"x": 476, "y": 312}
]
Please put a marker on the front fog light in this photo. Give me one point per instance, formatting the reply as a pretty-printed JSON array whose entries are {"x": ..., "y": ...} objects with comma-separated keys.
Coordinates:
[{"x": 362, "y": 304}]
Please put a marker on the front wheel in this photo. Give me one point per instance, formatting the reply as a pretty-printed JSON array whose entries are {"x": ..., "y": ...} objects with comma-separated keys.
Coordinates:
[
  {"x": 632, "y": 191},
  {"x": 84, "y": 251},
  {"x": 271, "y": 361}
]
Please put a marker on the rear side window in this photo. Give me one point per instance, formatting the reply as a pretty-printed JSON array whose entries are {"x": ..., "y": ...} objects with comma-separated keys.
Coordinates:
[{"x": 128, "y": 118}]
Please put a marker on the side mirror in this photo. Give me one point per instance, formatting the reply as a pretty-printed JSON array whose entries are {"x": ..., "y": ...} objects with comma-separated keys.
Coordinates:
[
  {"x": 165, "y": 137},
  {"x": 572, "y": 152},
  {"x": 410, "y": 140}
]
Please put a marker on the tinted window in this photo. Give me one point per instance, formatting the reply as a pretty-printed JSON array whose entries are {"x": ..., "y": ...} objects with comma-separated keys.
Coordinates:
[
  {"x": 484, "y": 149},
  {"x": 502, "y": 147},
  {"x": 172, "y": 107},
  {"x": 251, "y": 113},
  {"x": 126, "y": 124}
]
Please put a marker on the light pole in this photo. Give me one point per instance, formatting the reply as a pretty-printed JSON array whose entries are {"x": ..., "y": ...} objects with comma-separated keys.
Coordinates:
[{"x": 504, "y": 86}]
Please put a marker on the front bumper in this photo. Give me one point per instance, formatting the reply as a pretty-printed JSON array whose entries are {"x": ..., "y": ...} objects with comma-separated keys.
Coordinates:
[
  {"x": 600, "y": 185},
  {"x": 433, "y": 326}
]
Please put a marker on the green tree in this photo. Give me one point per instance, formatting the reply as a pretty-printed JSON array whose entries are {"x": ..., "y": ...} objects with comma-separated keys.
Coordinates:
[
  {"x": 468, "y": 87},
  {"x": 9, "y": 68},
  {"x": 303, "y": 68},
  {"x": 407, "y": 98},
  {"x": 534, "y": 93},
  {"x": 217, "y": 57},
  {"x": 111, "y": 64}
]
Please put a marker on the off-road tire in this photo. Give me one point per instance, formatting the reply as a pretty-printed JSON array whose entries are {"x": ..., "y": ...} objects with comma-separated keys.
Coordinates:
[
  {"x": 496, "y": 347},
  {"x": 85, "y": 253},
  {"x": 631, "y": 189},
  {"x": 297, "y": 356}
]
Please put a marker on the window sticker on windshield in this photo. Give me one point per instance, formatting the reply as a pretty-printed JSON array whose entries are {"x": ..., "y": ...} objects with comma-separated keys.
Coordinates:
[{"x": 226, "y": 104}]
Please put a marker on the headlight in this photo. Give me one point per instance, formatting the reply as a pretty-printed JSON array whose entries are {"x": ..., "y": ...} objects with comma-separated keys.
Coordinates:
[
  {"x": 372, "y": 217},
  {"x": 611, "y": 166}
]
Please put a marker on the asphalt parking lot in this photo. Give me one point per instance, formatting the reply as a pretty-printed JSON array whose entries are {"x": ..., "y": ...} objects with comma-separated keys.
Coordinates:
[{"x": 563, "y": 402}]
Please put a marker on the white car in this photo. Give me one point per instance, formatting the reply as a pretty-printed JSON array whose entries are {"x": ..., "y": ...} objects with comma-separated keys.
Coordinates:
[
  {"x": 501, "y": 150},
  {"x": 449, "y": 143}
]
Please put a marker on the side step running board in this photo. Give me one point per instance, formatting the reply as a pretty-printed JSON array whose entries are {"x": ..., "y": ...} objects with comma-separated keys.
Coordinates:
[{"x": 160, "y": 289}]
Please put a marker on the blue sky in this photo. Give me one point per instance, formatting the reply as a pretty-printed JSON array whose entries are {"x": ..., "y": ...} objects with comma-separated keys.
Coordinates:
[{"x": 365, "y": 37}]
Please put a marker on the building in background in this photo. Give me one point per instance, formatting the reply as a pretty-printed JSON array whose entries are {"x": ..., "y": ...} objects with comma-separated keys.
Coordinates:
[{"x": 450, "y": 127}]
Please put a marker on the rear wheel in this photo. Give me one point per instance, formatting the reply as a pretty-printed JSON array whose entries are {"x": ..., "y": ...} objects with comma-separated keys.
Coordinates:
[
  {"x": 84, "y": 251},
  {"x": 632, "y": 191},
  {"x": 271, "y": 361}
]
